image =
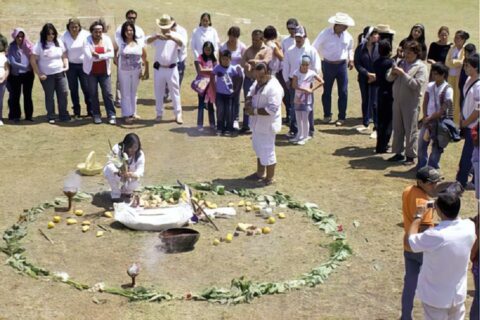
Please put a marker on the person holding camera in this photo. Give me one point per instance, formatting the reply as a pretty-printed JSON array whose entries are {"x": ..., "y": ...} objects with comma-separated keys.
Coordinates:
[
  {"x": 167, "y": 45},
  {"x": 442, "y": 282},
  {"x": 414, "y": 196}
]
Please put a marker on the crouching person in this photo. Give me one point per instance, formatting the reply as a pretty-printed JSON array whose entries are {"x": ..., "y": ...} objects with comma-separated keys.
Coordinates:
[{"x": 125, "y": 167}]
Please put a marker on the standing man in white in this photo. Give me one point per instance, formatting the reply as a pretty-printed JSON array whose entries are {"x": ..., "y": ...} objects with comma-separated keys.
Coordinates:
[
  {"x": 167, "y": 44},
  {"x": 335, "y": 46}
]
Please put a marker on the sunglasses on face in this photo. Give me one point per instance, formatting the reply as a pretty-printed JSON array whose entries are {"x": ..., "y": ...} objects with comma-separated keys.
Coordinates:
[{"x": 132, "y": 18}]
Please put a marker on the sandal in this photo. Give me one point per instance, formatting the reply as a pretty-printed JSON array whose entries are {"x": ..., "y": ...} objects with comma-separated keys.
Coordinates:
[
  {"x": 254, "y": 177},
  {"x": 269, "y": 181}
]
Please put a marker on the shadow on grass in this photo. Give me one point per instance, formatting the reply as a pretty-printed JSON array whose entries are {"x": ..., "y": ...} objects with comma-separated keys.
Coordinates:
[
  {"x": 340, "y": 131},
  {"x": 354, "y": 152},
  {"x": 409, "y": 174},
  {"x": 238, "y": 183},
  {"x": 372, "y": 163}
]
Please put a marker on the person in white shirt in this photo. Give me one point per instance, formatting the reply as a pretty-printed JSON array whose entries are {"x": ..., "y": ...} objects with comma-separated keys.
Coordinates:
[
  {"x": 437, "y": 104},
  {"x": 99, "y": 51},
  {"x": 4, "y": 71},
  {"x": 49, "y": 61},
  {"x": 131, "y": 16},
  {"x": 442, "y": 282},
  {"x": 167, "y": 44},
  {"x": 73, "y": 39},
  {"x": 203, "y": 33},
  {"x": 335, "y": 46},
  {"x": 125, "y": 167},
  {"x": 291, "y": 63}
]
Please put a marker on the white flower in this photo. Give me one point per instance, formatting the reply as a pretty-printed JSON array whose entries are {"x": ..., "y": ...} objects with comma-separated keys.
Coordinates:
[{"x": 62, "y": 276}]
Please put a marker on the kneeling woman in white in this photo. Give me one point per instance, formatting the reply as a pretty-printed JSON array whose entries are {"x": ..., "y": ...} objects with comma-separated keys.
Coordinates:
[
  {"x": 125, "y": 181},
  {"x": 263, "y": 105}
]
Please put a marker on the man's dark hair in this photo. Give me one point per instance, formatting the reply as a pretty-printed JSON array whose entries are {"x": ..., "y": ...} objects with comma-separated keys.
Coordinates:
[
  {"x": 473, "y": 60},
  {"x": 292, "y": 21},
  {"x": 441, "y": 69},
  {"x": 130, "y": 12},
  {"x": 257, "y": 32},
  {"x": 384, "y": 48},
  {"x": 449, "y": 204}
]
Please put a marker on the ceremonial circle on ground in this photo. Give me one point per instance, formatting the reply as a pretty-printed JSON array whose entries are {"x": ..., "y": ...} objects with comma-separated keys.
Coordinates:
[{"x": 269, "y": 246}]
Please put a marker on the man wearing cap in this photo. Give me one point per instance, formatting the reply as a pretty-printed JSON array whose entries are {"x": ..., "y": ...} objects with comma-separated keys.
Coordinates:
[
  {"x": 256, "y": 53},
  {"x": 442, "y": 282},
  {"x": 413, "y": 198},
  {"x": 167, "y": 44},
  {"x": 335, "y": 46},
  {"x": 291, "y": 63}
]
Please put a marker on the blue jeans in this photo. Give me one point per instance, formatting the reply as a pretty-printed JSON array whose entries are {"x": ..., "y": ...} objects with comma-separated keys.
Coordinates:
[
  {"x": 75, "y": 74},
  {"x": 369, "y": 102},
  {"x": 247, "y": 83},
  {"x": 237, "y": 85},
  {"x": 474, "y": 312},
  {"x": 423, "y": 158},
  {"x": 466, "y": 158},
  {"x": 332, "y": 72},
  {"x": 293, "y": 118},
  {"x": 56, "y": 84},
  {"x": 413, "y": 262},
  {"x": 225, "y": 114},
  {"x": 201, "y": 107},
  {"x": 105, "y": 83}
]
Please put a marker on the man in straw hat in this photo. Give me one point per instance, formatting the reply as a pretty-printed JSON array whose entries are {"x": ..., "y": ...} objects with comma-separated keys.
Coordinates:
[
  {"x": 335, "y": 46},
  {"x": 385, "y": 32},
  {"x": 167, "y": 44}
]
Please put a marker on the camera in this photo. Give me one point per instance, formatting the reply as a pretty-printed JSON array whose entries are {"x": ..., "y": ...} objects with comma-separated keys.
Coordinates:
[{"x": 430, "y": 204}]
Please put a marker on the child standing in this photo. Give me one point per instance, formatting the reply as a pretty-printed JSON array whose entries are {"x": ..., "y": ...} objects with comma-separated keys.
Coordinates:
[
  {"x": 225, "y": 75},
  {"x": 204, "y": 66},
  {"x": 302, "y": 81},
  {"x": 125, "y": 167},
  {"x": 4, "y": 70}
]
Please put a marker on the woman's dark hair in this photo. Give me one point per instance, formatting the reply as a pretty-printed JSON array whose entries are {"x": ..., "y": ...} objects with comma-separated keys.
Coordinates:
[
  {"x": 43, "y": 35},
  {"x": 99, "y": 22},
  {"x": 270, "y": 33},
  {"x": 206, "y": 14},
  {"x": 463, "y": 34},
  {"x": 226, "y": 53},
  {"x": 441, "y": 69},
  {"x": 234, "y": 32},
  {"x": 473, "y": 60},
  {"x": 73, "y": 21},
  {"x": 413, "y": 46},
  {"x": 125, "y": 25},
  {"x": 470, "y": 48},
  {"x": 443, "y": 28},
  {"x": 262, "y": 66},
  {"x": 130, "y": 140},
  {"x": 449, "y": 204},
  {"x": 384, "y": 48},
  {"x": 208, "y": 44},
  {"x": 421, "y": 39}
]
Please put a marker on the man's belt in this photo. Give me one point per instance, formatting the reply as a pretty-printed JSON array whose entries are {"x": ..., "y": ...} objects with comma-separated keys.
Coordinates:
[
  {"x": 157, "y": 65},
  {"x": 334, "y": 62}
]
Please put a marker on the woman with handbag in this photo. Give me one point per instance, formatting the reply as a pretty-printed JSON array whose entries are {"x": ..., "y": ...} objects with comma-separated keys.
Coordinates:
[{"x": 203, "y": 84}]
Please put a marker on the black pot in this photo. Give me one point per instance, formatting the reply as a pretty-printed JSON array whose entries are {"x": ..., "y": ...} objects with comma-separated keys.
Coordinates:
[{"x": 178, "y": 240}]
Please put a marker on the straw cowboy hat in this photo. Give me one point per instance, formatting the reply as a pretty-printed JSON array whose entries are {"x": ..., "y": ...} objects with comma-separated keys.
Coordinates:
[
  {"x": 165, "y": 22},
  {"x": 384, "y": 28},
  {"x": 342, "y": 18}
]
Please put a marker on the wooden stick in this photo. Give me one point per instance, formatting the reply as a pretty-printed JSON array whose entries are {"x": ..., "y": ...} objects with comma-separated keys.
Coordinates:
[
  {"x": 102, "y": 227},
  {"x": 46, "y": 237},
  {"x": 204, "y": 213}
]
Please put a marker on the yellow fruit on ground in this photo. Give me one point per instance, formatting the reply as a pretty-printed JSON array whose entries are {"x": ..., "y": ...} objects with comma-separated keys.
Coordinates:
[
  {"x": 108, "y": 214},
  {"x": 248, "y": 203},
  {"x": 171, "y": 201},
  {"x": 79, "y": 212},
  {"x": 271, "y": 220},
  {"x": 216, "y": 242},
  {"x": 85, "y": 228},
  {"x": 266, "y": 230},
  {"x": 99, "y": 234},
  {"x": 194, "y": 199},
  {"x": 281, "y": 215},
  {"x": 57, "y": 219},
  {"x": 256, "y": 208},
  {"x": 71, "y": 221},
  {"x": 86, "y": 223},
  {"x": 248, "y": 208},
  {"x": 231, "y": 204},
  {"x": 51, "y": 225},
  {"x": 229, "y": 238},
  {"x": 241, "y": 203}
]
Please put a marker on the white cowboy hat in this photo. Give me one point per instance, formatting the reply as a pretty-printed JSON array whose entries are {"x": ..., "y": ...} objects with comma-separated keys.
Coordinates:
[
  {"x": 342, "y": 18},
  {"x": 384, "y": 28},
  {"x": 165, "y": 22}
]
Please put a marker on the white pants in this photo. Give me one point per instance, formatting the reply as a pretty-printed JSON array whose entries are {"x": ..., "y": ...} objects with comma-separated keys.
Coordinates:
[
  {"x": 116, "y": 184},
  {"x": 264, "y": 146},
  {"x": 302, "y": 124},
  {"x": 129, "y": 81},
  {"x": 453, "y": 313},
  {"x": 167, "y": 77}
]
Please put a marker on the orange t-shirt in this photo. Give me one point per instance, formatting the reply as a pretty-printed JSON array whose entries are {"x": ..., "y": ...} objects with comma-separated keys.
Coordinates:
[{"x": 409, "y": 209}]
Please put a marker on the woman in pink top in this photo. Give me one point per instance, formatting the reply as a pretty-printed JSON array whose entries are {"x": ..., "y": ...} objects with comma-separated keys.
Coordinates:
[{"x": 204, "y": 66}]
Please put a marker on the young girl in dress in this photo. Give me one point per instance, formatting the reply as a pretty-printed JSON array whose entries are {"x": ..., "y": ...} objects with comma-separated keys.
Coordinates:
[
  {"x": 125, "y": 167},
  {"x": 204, "y": 66},
  {"x": 303, "y": 83}
]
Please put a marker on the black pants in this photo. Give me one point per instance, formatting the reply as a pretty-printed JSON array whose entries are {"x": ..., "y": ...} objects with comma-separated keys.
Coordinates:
[
  {"x": 384, "y": 127},
  {"x": 15, "y": 84}
]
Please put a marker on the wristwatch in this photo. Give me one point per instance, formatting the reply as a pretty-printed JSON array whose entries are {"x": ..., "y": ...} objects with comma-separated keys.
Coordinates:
[{"x": 418, "y": 216}]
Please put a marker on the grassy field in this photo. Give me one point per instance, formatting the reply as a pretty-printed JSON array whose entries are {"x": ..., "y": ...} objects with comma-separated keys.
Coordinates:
[{"x": 338, "y": 170}]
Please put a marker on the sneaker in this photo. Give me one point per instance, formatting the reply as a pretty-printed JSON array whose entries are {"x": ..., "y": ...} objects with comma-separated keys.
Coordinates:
[
  {"x": 200, "y": 128},
  {"x": 179, "y": 119},
  {"x": 291, "y": 134},
  {"x": 373, "y": 135},
  {"x": 76, "y": 117},
  {"x": 1, "y": 123},
  {"x": 236, "y": 126},
  {"x": 112, "y": 121},
  {"x": 327, "y": 120},
  {"x": 245, "y": 130},
  {"x": 409, "y": 161},
  {"x": 129, "y": 120},
  {"x": 470, "y": 186},
  {"x": 308, "y": 138},
  {"x": 97, "y": 119},
  {"x": 51, "y": 121},
  {"x": 301, "y": 142},
  {"x": 136, "y": 116},
  {"x": 396, "y": 158},
  {"x": 339, "y": 123},
  {"x": 158, "y": 119}
]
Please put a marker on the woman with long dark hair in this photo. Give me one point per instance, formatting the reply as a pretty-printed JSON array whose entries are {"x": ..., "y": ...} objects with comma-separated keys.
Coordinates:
[
  {"x": 49, "y": 61},
  {"x": 204, "y": 65},
  {"x": 203, "y": 33},
  {"x": 417, "y": 33}
]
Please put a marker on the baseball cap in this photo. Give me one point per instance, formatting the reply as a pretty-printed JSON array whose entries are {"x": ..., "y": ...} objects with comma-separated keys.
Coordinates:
[
  {"x": 299, "y": 32},
  {"x": 429, "y": 174}
]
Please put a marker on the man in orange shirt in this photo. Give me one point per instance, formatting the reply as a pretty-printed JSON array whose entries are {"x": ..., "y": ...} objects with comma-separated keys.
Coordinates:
[{"x": 413, "y": 197}]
